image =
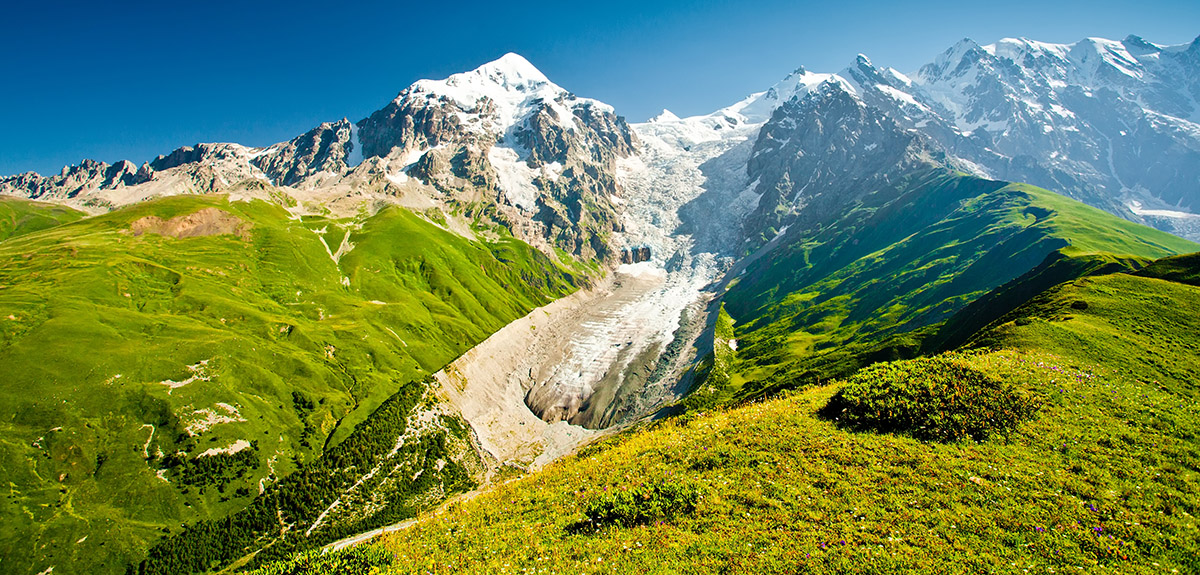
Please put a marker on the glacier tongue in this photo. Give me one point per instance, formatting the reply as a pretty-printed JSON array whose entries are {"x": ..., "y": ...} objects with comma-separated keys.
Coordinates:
[{"x": 684, "y": 198}]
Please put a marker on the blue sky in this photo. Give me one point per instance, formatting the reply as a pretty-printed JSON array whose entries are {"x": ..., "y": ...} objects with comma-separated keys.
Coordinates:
[{"x": 130, "y": 80}]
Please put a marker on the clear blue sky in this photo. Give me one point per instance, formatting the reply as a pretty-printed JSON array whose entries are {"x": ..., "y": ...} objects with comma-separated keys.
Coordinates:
[{"x": 130, "y": 80}]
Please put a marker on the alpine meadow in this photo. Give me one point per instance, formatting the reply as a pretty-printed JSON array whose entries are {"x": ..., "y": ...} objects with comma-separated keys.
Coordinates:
[{"x": 856, "y": 322}]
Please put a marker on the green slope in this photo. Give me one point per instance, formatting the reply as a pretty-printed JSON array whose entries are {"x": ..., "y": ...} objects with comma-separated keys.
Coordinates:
[
  {"x": 1182, "y": 269},
  {"x": 873, "y": 282},
  {"x": 1059, "y": 267},
  {"x": 19, "y": 217},
  {"x": 1102, "y": 476},
  {"x": 281, "y": 348}
]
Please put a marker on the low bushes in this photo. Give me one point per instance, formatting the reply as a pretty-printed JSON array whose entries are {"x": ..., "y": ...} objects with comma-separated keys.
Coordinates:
[
  {"x": 642, "y": 504},
  {"x": 361, "y": 560},
  {"x": 941, "y": 398}
]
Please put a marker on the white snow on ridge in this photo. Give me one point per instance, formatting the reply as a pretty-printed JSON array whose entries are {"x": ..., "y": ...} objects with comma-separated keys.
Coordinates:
[
  {"x": 1136, "y": 207},
  {"x": 901, "y": 96},
  {"x": 514, "y": 176},
  {"x": 758, "y": 107},
  {"x": 512, "y": 85},
  {"x": 356, "y": 155},
  {"x": 665, "y": 116}
]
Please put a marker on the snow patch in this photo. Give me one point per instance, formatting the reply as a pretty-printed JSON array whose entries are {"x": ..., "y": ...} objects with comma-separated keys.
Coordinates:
[
  {"x": 514, "y": 176},
  {"x": 642, "y": 270},
  {"x": 1136, "y": 207},
  {"x": 356, "y": 156},
  {"x": 398, "y": 178},
  {"x": 900, "y": 96}
]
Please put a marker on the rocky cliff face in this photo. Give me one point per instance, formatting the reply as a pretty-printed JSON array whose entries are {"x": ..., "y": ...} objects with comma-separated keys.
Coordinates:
[
  {"x": 1113, "y": 124},
  {"x": 823, "y": 151},
  {"x": 635, "y": 255},
  {"x": 328, "y": 148},
  {"x": 504, "y": 139},
  {"x": 74, "y": 180}
]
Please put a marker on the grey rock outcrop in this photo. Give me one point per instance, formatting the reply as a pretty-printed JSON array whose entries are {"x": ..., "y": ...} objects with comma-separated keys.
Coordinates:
[
  {"x": 635, "y": 255},
  {"x": 88, "y": 174},
  {"x": 326, "y": 148},
  {"x": 823, "y": 151}
]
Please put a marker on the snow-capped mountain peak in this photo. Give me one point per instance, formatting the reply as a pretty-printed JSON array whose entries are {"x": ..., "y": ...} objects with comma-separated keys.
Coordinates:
[
  {"x": 758, "y": 107},
  {"x": 508, "y": 82},
  {"x": 665, "y": 116},
  {"x": 513, "y": 69},
  {"x": 950, "y": 60}
]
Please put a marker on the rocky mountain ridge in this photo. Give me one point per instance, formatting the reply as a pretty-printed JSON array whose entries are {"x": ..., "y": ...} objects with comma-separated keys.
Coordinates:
[
  {"x": 500, "y": 142},
  {"x": 1112, "y": 124}
]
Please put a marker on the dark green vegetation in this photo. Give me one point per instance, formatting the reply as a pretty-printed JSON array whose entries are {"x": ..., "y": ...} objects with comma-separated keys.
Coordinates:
[
  {"x": 367, "y": 468},
  {"x": 1058, "y": 267},
  {"x": 1182, "y": 269},
  {"x": 353, "y": 561},
  {"x": 1103, "y": 477},
  {"x": 940, "y": 398},
  {"x": 714, "y": 371},
  {"x": 129, "y": 360},
  {"x": 641, "y": 504},
  {"x": 874, "y": 281}
]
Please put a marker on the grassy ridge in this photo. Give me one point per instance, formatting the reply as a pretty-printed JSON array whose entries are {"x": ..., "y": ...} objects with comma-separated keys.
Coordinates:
[
  {"x": 871, "y": 283},
  {"x": 118, "y": 350},
  {"x": 19, "y": 217},
  {"x": 1059, "y": 267},
  {"x": 1181, "y": 269},
  {"x": 1102, "y": 476}
]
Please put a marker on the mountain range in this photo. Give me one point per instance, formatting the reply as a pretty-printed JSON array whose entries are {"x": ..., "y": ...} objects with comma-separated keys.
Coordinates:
[{"x": 231, "y": 354}]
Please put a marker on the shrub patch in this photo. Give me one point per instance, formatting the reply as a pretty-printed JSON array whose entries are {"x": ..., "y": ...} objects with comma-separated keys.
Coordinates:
[{"x": 939, "y": 398}]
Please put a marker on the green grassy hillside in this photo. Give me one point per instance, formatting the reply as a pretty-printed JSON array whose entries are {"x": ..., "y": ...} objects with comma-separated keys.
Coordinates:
[
  {"x": 1099, "y": 473},
  {"x": 129, "y": 361},
  {"x": 873, "y": 282},
  {"x": 1059, "y": 267},
  {"x": 1182, "y": 269},
  {"x": 19, "y": 217}
]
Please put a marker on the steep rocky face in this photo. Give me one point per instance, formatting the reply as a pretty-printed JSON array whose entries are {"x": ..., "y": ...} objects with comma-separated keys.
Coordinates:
[
  {"x": 73, "y": 180},
  {"x": 578, "y": 185},
  {"x": 822, "y": 151},
  {"x": 1109, "y": 123},
  {"x": 200, "y": 153},
  {"x": 635, "y": 255},
  {"x": 504, "y": 139},
  {"x": 326, "y": 148},
  {"x": 412, "y": 123}
]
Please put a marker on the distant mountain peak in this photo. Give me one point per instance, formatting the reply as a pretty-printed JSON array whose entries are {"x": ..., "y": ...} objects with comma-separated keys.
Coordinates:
[
  {"x": 507, "y": 81},
  {"x": 665, "y": 116},
  {"x": 510, "y": 69},
  {"x": 953, "y": 58}
]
